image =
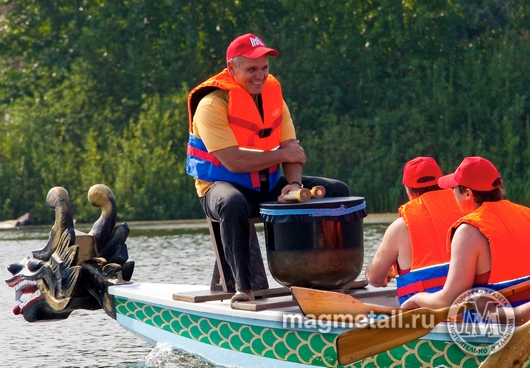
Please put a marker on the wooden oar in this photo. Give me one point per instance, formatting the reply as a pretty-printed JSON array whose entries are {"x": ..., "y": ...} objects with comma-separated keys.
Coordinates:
[
  {"x": 374, "y": 338},
  {"x": 514, "y": 354},
  {"x": 382, "y": 335},
  {"x": 331, "y": 305}
]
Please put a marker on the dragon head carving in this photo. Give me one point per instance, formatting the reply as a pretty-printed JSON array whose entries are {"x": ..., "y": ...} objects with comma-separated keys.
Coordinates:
[{"x": 74, "y": 269}]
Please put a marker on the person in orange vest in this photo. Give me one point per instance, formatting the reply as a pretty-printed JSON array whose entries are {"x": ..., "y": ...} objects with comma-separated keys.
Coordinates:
[
  {"x": 240, "y": 132},
  {"x": 488, "y": 244},
  {"x": 415, "y": 241}
]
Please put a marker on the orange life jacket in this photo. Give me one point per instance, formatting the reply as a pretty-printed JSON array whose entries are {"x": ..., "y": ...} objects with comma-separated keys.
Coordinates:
[
  {"x": 506, "y": 225},
  {"x": 428, "y": 218},
  {"x": 251, "y": 131}
]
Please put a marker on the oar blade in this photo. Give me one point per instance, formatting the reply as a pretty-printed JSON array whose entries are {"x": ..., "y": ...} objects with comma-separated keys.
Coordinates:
[
  {"x": 514, "y": 354},
  {"x": 322, "y": 304},
  {"x": 313, "y": 302}
]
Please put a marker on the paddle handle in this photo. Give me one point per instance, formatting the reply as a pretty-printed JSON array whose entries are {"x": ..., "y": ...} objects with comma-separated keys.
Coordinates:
[
  {"x": 515, "y": 289},
  {"x": 453, "y": 310}
]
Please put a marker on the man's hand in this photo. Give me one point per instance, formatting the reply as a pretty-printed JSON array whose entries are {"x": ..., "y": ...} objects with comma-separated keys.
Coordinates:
[
  {"x": 293, "y": 152},
  {"x": 286, "y": 189}
]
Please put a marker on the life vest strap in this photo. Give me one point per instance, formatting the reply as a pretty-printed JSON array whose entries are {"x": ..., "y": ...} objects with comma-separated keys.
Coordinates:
[
  {"x": 259, "y": 131},
  {"x": 203, "y": 155},
  {"x": 420, "y": 286}
]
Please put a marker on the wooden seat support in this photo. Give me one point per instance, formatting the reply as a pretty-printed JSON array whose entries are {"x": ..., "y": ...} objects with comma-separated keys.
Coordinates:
[{"x": 223, "y": 278}]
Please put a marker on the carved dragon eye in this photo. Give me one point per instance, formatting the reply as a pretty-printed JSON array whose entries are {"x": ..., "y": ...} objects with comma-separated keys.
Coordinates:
[
  {"x": 35, "y": 265},
  {"x": 15, "y": 268}
]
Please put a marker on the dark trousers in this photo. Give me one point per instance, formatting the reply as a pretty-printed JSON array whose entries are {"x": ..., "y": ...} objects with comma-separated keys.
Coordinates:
[{"x": 232, "y": 205}]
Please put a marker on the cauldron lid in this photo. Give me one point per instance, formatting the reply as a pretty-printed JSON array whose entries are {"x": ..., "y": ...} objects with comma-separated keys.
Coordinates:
[{"x": 343, "y": 209}]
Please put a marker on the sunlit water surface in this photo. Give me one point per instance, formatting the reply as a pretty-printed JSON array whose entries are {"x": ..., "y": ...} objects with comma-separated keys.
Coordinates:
[{"x": 163, "y": 252}]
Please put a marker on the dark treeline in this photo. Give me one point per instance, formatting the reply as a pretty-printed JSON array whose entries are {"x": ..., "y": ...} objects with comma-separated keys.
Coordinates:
[{"x": 95, "y": 92}]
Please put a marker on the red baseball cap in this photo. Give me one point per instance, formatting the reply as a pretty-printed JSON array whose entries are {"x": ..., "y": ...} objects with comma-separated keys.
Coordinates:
[
  {"x": 418, "y": 168},
  {"x": 475, "y": 173},
  {"x": 249, "y": 46}
]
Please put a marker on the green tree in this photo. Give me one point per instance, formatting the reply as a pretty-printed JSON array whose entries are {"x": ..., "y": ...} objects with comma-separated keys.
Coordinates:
[{"x": 93, "y": 92}]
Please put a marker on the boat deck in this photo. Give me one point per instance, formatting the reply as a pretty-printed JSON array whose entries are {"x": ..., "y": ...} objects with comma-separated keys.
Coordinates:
[{"x": 270, "y": 304}]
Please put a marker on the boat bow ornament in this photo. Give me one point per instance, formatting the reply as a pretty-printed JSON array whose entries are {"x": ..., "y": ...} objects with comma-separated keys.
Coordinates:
[{"x": 74, "y": 269}]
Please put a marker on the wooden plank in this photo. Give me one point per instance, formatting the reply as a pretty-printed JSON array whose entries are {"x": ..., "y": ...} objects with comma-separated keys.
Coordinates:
[
  {"x": 208, "y": 295},
  {"x": 201, "y": 296},
  {"x": 267, "y": 303},
  {"x": 281, "y": 291},
  {"x": 287, "y": 301}
]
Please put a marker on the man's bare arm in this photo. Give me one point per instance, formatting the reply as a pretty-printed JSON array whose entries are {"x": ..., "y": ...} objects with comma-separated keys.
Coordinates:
[
  {"x": 395, "y": 241},
  {"x": 238, "y": 160}
]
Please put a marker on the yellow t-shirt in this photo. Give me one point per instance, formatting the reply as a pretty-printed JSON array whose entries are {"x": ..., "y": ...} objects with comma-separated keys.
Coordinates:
[{"x": 210, "y": 123}]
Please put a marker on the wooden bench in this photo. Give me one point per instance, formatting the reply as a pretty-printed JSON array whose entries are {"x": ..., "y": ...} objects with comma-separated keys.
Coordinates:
[{"x": 222, "y": 277}]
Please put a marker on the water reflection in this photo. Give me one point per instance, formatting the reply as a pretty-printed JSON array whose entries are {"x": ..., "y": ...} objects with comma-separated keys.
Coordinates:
[{"x": 166, "y": 252}]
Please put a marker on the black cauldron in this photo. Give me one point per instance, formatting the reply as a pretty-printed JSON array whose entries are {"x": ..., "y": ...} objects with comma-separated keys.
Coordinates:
[{"x": 316, "y": 244}]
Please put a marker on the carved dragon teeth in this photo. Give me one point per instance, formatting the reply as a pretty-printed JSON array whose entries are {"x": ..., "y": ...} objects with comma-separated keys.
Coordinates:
[{"x": 26, "y": 293}]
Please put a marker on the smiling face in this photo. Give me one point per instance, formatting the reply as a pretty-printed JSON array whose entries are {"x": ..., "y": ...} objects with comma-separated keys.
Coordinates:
[{"x": 251, "y": 74}]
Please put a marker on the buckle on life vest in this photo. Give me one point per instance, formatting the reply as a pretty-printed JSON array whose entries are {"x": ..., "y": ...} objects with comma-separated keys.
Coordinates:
[{"x": 265, "y": 132}]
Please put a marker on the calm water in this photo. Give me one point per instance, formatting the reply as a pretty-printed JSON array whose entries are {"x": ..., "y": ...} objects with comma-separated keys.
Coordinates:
[{"x": 163, "y": 252}]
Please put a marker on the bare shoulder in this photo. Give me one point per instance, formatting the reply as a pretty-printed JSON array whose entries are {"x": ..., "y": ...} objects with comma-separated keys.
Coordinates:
[
  {"x": 397, "y": 227},
  {"x": 396, "y": 238},
  {"x": 469, "y": 231},
  {"x": 469, "y": 237}
]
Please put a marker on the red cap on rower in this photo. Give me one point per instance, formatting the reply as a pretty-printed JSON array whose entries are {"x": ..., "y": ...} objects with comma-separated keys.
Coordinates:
[
  {"x": 249, "y": 46},
  {"x": 421, "y": 172},
  {"x": 475, "y": 173}
]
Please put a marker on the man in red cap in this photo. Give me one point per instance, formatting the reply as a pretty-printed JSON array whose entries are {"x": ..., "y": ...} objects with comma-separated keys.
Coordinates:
[
  {"x": 488, "y": 245},
  {"x": 416, "y": 240},
  {"x": 241, "y": 132}
]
